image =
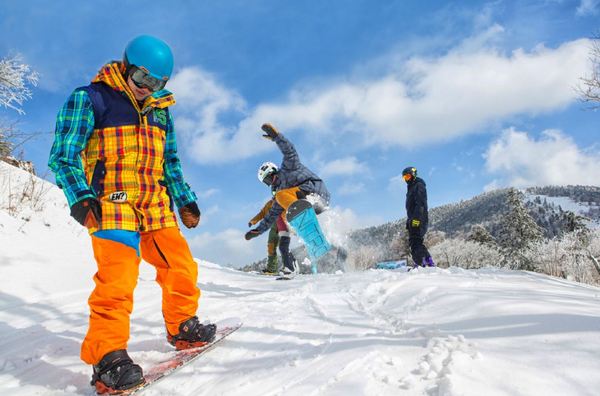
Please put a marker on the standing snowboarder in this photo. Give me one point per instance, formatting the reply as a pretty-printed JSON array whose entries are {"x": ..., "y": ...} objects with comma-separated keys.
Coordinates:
[
  {"x": 291, "y": 182},
  {"x": 115, "y": 158},
  {"x": 272, "y": 240},
  {"x": 279, "y": 233},
  {"x": 417, "y": 217}
]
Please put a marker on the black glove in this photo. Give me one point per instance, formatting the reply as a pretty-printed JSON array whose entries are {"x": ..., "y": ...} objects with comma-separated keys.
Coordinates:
[
  {"x": 190, "y": 215},
  {"x": 270, "y": 132},
  {"x": 87, "y": 212},
  {"x": 251, "y": 234}
]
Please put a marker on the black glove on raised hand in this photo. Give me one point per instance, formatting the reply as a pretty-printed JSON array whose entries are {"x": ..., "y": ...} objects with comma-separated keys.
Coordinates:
[
  {"x": 269, "y": 131},
  {"x": 190, "y": 215},
  {"x": 251, "y": 234},
  {"x": 87, "y": 212}
]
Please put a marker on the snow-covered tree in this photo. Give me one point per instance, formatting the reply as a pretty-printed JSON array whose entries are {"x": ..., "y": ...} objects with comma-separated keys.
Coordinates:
[
  {"x": 16, "y": 78},
  {"x": 589, "y": 89},
  {"x": 571, "y": 256},
  {"x": 518, "y": 233},
  {"x": 399, "y": 247},
  {"x": 5, "y": 145}
]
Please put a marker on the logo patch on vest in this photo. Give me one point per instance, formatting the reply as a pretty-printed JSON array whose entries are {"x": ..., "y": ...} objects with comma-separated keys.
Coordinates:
[
  {"x": 118, "y": 196},
  {"x": 160, "y": 116}
]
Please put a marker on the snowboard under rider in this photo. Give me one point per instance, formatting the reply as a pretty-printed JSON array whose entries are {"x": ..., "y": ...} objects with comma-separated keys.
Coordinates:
[
  {"x": 417, "y": 217},
  {"x": 115, "y": 158},
  {"x": 290, "y": 182}
]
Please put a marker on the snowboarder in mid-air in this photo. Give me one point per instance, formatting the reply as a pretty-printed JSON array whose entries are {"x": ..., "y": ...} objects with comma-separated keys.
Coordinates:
[
  {"x": 115, "y": 158},
  {"x": 417, "y": 217},
  {"x": 290, "y": 183}
]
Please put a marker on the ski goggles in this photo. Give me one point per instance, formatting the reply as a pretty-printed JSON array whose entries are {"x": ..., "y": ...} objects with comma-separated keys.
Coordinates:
[
  {"x": 407, "y": 177},
  {"x": 143, "y": 79},
  {"x": 268, "y": 180}
]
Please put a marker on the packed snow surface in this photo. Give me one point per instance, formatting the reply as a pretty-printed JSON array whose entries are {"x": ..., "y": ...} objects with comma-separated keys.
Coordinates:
[{"x": 425, "y": 332}]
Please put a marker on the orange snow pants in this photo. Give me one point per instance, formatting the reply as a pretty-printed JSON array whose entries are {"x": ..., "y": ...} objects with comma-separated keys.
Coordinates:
[{"x": 111, "y": 302}]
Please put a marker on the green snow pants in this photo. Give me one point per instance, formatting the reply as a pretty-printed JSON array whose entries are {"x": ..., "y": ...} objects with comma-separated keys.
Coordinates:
[{"x": 272, "y": 243}]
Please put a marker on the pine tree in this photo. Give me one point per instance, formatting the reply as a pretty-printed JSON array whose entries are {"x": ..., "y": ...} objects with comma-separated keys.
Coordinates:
[
  {"x": 480, "y": 235},
  {"x": 518, "y": 233}
]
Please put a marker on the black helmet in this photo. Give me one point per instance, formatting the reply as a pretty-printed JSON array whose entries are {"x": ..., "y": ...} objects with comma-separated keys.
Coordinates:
[{"x": 409, "y": 173}]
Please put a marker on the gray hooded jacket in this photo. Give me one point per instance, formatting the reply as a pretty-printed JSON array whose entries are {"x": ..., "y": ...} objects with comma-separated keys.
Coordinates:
[{"x": 292, "y": 173}]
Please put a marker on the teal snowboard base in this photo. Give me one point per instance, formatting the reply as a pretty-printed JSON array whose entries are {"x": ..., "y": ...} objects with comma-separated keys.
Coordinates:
[{"x": 302, "y": 217}]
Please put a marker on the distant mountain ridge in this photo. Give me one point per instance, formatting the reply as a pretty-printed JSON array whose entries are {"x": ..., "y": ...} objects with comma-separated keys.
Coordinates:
[{"x": 487, "y": 209}]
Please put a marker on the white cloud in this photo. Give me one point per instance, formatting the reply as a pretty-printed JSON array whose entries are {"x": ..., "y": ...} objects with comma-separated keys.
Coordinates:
[
  {"x": 588, "y": 7},
  {"x": 554, "y": 159},
  {"x": 424, "y": 100},
  {"x": 351, "y": 188},
  {"x": 396, "y": 183},
  {"x": 343, "y": 167},
  {"x": 228, "y": 247},
  {"x": 202, "y": 102},
  {"x": 208, "y": 193}
]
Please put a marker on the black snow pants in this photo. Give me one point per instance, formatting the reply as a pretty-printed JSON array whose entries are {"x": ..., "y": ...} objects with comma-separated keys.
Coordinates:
[{"x": 418, "y": 251}]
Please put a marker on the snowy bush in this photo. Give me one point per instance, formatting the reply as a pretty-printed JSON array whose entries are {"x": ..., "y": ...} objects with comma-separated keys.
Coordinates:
[
  {"x": 465, "y": 254},
  {"x": 20, "y": 194},
  {"x": 573, "y": 256},
  {"x": 363, "y": 257}
]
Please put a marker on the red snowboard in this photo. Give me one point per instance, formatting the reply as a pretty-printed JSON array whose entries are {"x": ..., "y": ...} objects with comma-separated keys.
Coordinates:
[{"x": 180, "y": 359}]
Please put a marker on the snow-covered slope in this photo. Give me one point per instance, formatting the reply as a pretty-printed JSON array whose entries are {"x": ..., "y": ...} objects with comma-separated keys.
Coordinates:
[{"x": 427, "y": 332}]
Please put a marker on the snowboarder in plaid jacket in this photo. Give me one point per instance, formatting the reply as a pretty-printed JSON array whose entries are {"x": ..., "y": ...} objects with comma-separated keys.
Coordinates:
[{"x": 115, "y": 158}]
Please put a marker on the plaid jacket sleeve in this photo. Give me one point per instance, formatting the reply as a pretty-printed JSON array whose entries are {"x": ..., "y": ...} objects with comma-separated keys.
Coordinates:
[
  {"x": 179, "y": 190},
  {"x": 74, "y": 126}
]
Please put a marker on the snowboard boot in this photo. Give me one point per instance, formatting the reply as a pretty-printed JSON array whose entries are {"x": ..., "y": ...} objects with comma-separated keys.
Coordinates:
[
  {"x": 428, "y": 262},
  {"x": 116, "y": 373},
  {"x": 272, "y": 264},
  {"x": 192, "y": 334}
]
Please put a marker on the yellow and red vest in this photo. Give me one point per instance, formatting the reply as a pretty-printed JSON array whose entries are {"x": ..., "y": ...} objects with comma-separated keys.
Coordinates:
[{"x": 124, "y": 157}]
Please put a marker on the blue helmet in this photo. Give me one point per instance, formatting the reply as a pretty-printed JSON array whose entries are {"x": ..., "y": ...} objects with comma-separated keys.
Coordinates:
[{"x": 150, "y": 53}]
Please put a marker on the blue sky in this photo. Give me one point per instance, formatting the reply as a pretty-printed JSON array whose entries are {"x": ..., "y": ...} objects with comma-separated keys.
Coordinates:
[{"x": 476, "y": 95}]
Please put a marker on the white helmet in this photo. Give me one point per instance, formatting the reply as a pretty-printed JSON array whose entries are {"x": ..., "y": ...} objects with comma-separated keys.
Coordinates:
[{"x": 266, "y": 172}]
